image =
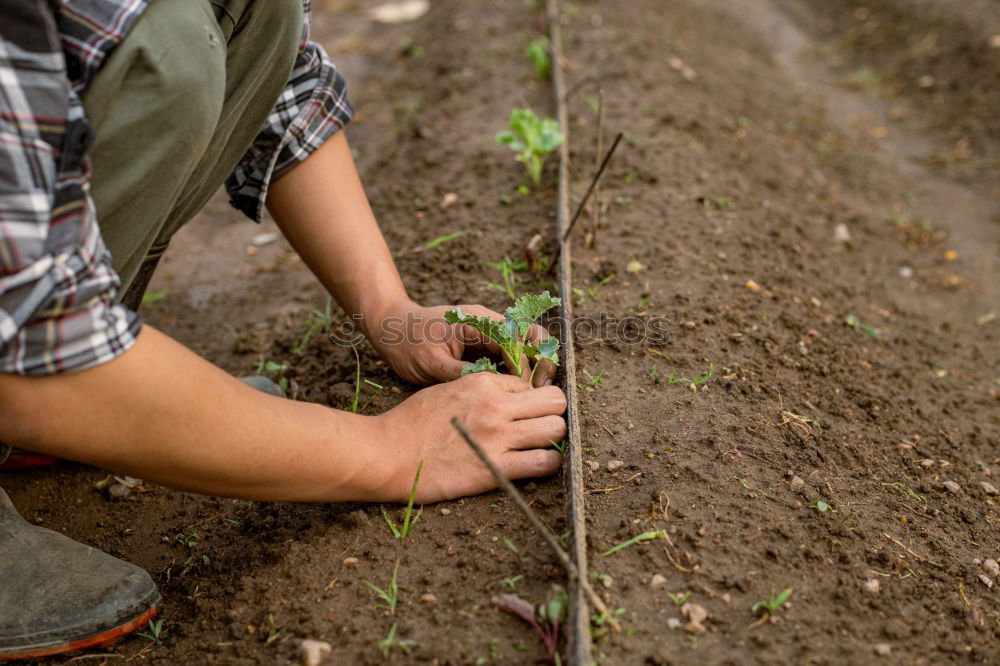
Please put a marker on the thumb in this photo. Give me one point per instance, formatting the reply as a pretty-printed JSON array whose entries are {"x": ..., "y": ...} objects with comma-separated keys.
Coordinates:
[{"x": 447, "y": 369}]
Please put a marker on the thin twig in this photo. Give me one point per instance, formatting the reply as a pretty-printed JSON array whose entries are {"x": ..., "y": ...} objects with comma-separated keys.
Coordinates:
[
  {"x": 537, "y": 523},
  {"x": 596, "y": 218},
  {"x": 919, "y": 557},
  {"x": 583, "y": 202}
]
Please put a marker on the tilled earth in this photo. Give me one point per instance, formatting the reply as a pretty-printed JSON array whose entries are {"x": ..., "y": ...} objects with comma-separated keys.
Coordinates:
[{"x": 809, "y": 220}]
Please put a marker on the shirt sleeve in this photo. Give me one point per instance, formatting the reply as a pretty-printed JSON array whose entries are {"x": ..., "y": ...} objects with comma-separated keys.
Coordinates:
[
  {"x": 57, "y": 287},
  {"x": 312, "y": 107}
]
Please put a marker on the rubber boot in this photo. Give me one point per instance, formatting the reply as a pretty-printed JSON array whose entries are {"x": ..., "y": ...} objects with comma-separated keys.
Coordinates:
[{"x": 57, "y": 595}]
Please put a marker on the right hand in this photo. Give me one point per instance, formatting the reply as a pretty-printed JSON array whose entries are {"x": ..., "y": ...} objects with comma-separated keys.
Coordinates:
[{"x": 515, "y": 425}]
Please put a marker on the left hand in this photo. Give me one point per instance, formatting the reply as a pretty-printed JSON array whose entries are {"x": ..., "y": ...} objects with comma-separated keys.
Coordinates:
[{"x": 422, "y": 348}]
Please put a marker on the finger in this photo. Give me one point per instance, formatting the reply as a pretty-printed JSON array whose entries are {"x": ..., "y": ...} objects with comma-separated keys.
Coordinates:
[
  {"x": 544, "y": 401},
  {"x": 538, "y": 433},
  {"x": 445, "y": 369},
  {"x": 544, "y": 372},
  {"x": 531, "y": 464},
  {"x": 473, "y": 338},
  {"x": 509, "y": 383}
]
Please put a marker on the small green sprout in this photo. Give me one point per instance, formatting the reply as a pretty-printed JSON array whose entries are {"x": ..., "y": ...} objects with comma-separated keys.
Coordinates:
[
  {"x": 559, "y": 446},
  {"x": 386, "y": 645},
  {"x": 510, "y": 544},
  {"x": 511, "y": 333},
  {"x": 822, "y": 506},
  {"x": 265, "y": 366},
  {"x": 774, "y": 602},
  {"x": 654, "y": 375},
  {"x": 680, "y": 597},
  {"x": 724, "y": 203},
  {"x": 404, "y": 531},
  {"x": 853, "y": 322},
  {"x": 595, "y": 381},
  {"x": 153, "y": 296},
  {"x": 533, "y": 138},
  {"x": 507, "y": 270},
  {"x": 320, "y": 321},
  {"x": 441, "y": 240},
  {"x": 538, "y": 53},
  {"x": 693, "y": 384},
  {"x": 354, "y": 408},
  {"x": 645, "y": 536},
  {"x": 391, "y": 595},
  {"x": 511, "y": 582},
  {"x": 154, "y": 633},
  {"x": 272, "y": 630}
]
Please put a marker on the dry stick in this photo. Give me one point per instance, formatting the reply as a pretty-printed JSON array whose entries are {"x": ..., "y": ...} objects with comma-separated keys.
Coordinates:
[
  {"x": 583, "y": 202},
  {"x": 597, "y": 165},
  {"x": 537, "y": 523}
]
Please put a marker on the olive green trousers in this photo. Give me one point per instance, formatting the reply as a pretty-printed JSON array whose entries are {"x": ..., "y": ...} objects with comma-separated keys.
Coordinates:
[{"x": 174, "y": 109}]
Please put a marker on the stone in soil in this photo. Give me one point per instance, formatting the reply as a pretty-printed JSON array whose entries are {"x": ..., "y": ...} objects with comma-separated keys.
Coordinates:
[
  {"x": 797, "y": 483},
  {"x": 312, "y": 651},
  {"x": 988, "y": 488},
  {"x": 872, "y": 585},
  {"x": 991, "y": 567},
  {"x": 658, "y": 580},
  {"x": 615, "y": 464},
  {"x": 883, "y": 649},
  {"x": 986, "y": 580},
  {"x": 952, "y": 487}
]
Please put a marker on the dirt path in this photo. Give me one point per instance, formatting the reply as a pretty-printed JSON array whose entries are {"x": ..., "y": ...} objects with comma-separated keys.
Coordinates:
[{"x": 754, "y": 138}]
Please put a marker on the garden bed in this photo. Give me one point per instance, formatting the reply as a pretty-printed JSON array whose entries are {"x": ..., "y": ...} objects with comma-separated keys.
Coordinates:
[{"x": 725, "y": 201}]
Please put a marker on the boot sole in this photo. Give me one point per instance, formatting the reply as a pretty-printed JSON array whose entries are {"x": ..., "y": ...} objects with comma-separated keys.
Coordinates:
[{"x": 104, "y": 639}]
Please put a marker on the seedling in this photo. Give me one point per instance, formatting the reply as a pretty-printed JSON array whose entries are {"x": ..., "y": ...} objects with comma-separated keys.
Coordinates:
[
  {"x": 153, "y": 296},
  {"x": 354, "y": 409},
  {"x": 404, "y": 531},
  {"x": 724, "y": 203},
  {"x": 154, "y": 633},
  {"x": 693, "y": 384},
  {"x": 853, "y": 322},
  {"x": 320, "y": 321},
  {"x": 912, "y": 493},
  {"x": 645, "y": 536},
  {"x": 546, "y": 620},
  {"x": 511, "y": 334},
  {"x": 594, "y": 380},
  {"x": 264, "y": 366},
  {"x": 533, "y": 138},
  {"x": 272, "y": 630},
  {"x": 390, "y": 596},
  {"x": 511, "y": 582},
  {"x": 822, "y": 506},
  {"x": 440, "y": 240},
  {"x": 679, "y": 598},
  {"x": 386, "y": 645},
  {"x": 654, "y": 375},
  {"x": 773, "y": 603},
  {"x": 538, "y": 53},
  {"x": 559, "y": 446},
  {"x": 507, "y": 270},
  {"x": 510, "y": 544}
]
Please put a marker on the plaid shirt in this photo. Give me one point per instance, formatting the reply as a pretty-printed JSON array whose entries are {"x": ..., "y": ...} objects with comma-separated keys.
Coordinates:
[{"x": 57, "y": 287}]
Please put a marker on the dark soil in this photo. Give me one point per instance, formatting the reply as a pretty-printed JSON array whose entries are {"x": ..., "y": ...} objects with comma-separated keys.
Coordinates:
[{"x": 741, "y": 159}]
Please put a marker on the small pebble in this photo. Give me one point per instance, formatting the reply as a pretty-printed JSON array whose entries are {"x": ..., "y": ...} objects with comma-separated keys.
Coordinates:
[
  {"x": 872, "y": 585},
  {"x": 658, "y": 580},
  {"x": 350, "y": 561},
  {"x": 991, "y": 567},
  {"x": 752, "y": 286},
  {"x": 428, "y": 599},
  {"x": 988, "y": 488},
  {"x": 797, "y": 482},
  {"x": 445, "y": 512},
  {"x": 841, "y": 234},
  {"x": 615, "y": 464},
  {"x": 607, "y": 581},
  {"x": 883, "y": 649},
  {"x": 927, "y": 462},
  {"x": 119, "y": 491},
  {"x": 313, "y": 651},
  {"x": 673, "y": 623},
  {"x": 593, "y": 465},
  {"x": 952, "y": 487},
  {"x": 727, "y": 598},
  {"x": 905, "y": 272},
  {"x": 986, "y": 580}
]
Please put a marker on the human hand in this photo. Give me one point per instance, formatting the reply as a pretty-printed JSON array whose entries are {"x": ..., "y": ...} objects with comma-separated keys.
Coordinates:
[
  {"x": 514, "y": 425},
  {"x": 422, "y": 348}
]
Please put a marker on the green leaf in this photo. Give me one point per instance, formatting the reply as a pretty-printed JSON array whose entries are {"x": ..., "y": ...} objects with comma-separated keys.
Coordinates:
[
  {"x": 491, "y": 328},
  {"x": 548, "y": 349},
  {"x": 528, "y": 308},
  {"x": 482, "y": 365}
]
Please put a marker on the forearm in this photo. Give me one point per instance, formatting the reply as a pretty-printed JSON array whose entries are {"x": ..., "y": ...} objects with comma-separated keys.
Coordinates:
[
  {"x": 161, "y": 413},
  {"x": 321, "y": 208}
]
